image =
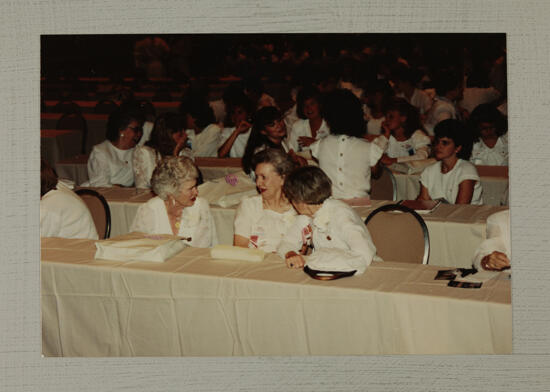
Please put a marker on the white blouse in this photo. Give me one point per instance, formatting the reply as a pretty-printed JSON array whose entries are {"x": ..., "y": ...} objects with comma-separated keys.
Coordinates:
[
  {"x": 302, "y": 128},
  {"x": 498, "y": 237},
  {"x": 64, "y": 214},
  {"x": 206, "y": 143},
  {"x": 414, "y": 148},
  {"x": 196, "y": 222},
  {"x": 445, "y": 185},
  {"x": 496, "y": 156},
  {"x": 337, "y": 226},
  {"x": 239, "y": 145},
  {"x": 108, "y": 165},
  {"x": 264, "y": 228},
  {"x": 347, "y": 161}
]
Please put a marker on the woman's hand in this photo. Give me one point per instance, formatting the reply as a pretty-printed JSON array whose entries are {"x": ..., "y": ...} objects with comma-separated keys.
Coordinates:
[
  {"x": 496, "y": 261},
  {"x": 242, "y": 127},
  {"x": 180, "y": 143},
  {"x": 304, "y": 141},
  {"x": 300, "y": 161},
  {"x": 386, "y": 160},
  {"x": 294, "y": 260}
]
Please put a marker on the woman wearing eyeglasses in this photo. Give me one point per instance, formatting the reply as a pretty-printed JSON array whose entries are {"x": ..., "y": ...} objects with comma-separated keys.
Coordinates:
[
  {"x": 452, "y": 177},
  {"x": 110, "y": 162}
]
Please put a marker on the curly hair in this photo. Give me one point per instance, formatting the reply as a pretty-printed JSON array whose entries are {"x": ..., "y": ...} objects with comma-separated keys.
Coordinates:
[
  {"x": 412, "y": 123},
  {"x": 170, "y": 174},
  {"x": 487, "y": 113},
  {"x": 304, "y": 94},
  {"x": 307, "y": 184}
]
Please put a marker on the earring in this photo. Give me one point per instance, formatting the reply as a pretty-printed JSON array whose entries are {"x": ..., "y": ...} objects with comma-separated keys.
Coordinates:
[{"x": 121, "y": 134}]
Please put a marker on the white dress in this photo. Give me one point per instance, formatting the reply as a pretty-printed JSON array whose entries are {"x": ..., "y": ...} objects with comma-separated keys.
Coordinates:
[
  {"x": 206, "y": 143},
  {"x": 302, "y": 128},
  {"x": 337, "y": 226},
  {"x": 498, "y": 237},
  {"x": 442, "y": 109},
  {"x": 196, "y": 222},
  {"x": 238, "y": 147},
  {"x": 347, "y": 161},
  {"x": 445, "y": 185},
  {"x": 265, "y": 229},
  {"x": 496, "y": 156},
  {"x": 108, "y": 165},
  {"x": 64, "y": 214},
  {"x": 414, "y": 148}
]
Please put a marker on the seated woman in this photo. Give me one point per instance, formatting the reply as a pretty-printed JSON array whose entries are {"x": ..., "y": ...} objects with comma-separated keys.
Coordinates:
[
  {"x": 311, "y": 126},
  {"x": 452, "y": 177},
  {"x": 377, "y": 95},
  {"x": 268, "y": 131},
  {"x": 110, "y": 162},
  {"x": 345, "y": 156},
  {"x": 340, "y": 238},
  {"x": 494, "y": 252},
  {"x": 202, "y": 130},
  {"x": 168, "y": 138},
  {"x": 402, "y": 128},
  {"x": 176, "y": 209},
  {"x": 261, "y": 221},
  {"x": 234, "y": 138},
  {"x": 490, "y": 138},
  {"x": 62, "y": 212}
]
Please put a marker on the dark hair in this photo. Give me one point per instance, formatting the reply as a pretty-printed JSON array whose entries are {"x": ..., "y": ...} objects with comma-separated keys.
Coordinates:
[
  {"x": 344, "y": 114},
  {"x": 412, "y": 123},
  {"x": 445, "y": 81},
  {"x": 307, "y": 184},
  {"x": 238, "y": 101},
  {"x": 165, "y": 126},
  {"x": 199, "y": 109},
  {"x": 280, "y": 160},
  {"x": 402, "y": 73},
  {"x": 257, "y": 139},
  {"x": 48, "y": 177},
  {"x": 120, "y": 119},
  {"x": 456, "y": 131},
  {"x": 304, "y": 94},
  {"x": 487, "y": 112}
]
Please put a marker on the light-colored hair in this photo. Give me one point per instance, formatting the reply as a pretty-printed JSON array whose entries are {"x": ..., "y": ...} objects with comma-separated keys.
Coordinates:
[{"x": 170, "y": 174}]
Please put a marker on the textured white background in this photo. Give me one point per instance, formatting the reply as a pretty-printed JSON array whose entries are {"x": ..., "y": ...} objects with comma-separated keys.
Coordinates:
[{"x": 527, "y": 24}]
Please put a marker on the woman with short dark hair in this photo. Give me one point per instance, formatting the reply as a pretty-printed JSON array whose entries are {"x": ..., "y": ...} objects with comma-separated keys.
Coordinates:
[
  {"x": 489, "y": 128},
  {"x": 110, "y": 162},
  {"x": 452, "y": 177}
]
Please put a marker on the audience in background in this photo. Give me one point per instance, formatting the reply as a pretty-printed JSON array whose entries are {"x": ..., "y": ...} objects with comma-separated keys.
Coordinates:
[
  {"x": 202, "y": 130},
  {"x": 489, "y": 127}
]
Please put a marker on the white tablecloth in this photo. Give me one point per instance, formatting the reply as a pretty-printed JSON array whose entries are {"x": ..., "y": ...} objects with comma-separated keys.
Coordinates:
[
  {"x": 455, "y": 230},
  {"x": 193, "y": 305}
]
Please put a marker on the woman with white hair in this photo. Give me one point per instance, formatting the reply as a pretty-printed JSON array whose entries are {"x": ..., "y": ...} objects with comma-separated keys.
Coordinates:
[{"x": 177, "y": 209}]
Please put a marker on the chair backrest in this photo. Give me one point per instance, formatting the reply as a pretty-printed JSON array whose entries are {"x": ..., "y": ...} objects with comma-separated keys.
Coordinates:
[
  {"x": 105, "y": 106},
  {"x": 399, "y": 234},
  {"x": 66, "y": 107},
  {"x": 384, "y": 187},
  {"x": 99, "y": 209},
  {"x": 74, "y": 121}
]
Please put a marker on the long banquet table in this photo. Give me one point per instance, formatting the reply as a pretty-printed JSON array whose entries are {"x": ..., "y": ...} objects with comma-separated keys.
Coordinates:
[
  {"x": 455, "y": 230},
  {"x": 192, "y": 305}
]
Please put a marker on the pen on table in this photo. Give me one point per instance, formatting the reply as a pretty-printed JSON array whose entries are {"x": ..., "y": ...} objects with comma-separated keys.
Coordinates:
[{"x": 185, "y": 238}]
